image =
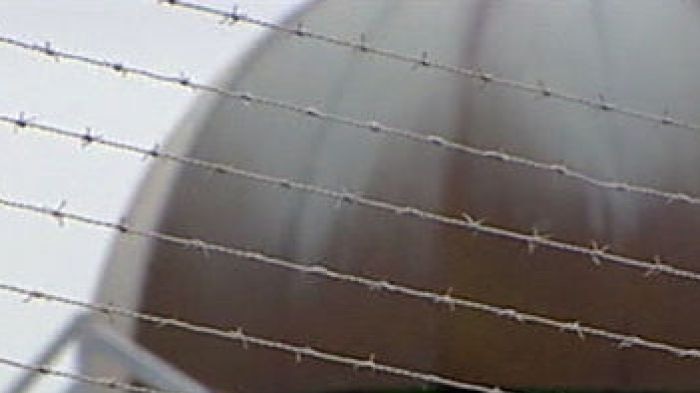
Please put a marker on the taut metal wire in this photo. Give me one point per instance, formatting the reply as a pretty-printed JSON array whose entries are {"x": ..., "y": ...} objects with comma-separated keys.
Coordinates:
[
  {"x": 236, "y": 334},
  {"x": 595, "y": 253},
  {"x": 103, "y": 382},
  {"x": 622, "y": 340},
  {"x": 422, "y": 61},
  {"x": 372, "y": 126}
]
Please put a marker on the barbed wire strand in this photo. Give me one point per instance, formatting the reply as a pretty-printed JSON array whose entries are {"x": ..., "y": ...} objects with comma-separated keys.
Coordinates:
[
  {"x": 423, "y": 61},
  {"x": 595, "y": 252},
  {"x": 371, "y": 126},
  {"x": 237, "y": 334},
  {"x": 104, "y": 382},
  {"x": 622, "y": 340}
]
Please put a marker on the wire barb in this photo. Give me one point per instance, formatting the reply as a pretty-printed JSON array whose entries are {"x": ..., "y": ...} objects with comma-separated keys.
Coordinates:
[
  {"x": 579, "y": 330},
  {"x": 598, "y": 253},
  {"x": 199, "y": 245},
  {"x": 299, "y": 32},
  {"x": 362, "y": 44},
  {"x": 535, "y": 239},
  {"x": 50, "y": 52},
  {"x": 604, "y": 104},
  {"x": 544, "y": 90},
  {"x": 31, "y": 296},
  {"x": 232, "y": 17},
  {"x": 58, "y": 214},
  {"x": 118, "y": 68},
  {"x": 22, "y": 121},
  {"x": 423, "y": 62},
  {"x": 184, "y": 80},
  {"x": 629, "y": 342},
  {"x": 89, "y": 137},
  {"x": 657, "y": 267},
  {"x": 449, "y": 300}
]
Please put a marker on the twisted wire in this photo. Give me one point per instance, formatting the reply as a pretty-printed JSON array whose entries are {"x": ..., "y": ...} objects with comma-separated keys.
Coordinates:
[
  {"x": 374, "y": 127},
  {"x": 237, "y": 334},
  {"x": 423, "y": 61},
  {"x": 596, "y": 253},
  {"x": 622, "y": 340},
  {"x": 110, "y": 383}
]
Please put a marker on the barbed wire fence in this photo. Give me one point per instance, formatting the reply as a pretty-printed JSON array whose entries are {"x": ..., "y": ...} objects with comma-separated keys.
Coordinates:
[
  {"x": 622, "y": 340},
  {"x": 235, "y": 15},
  {"x": 367, "y": 125},
  {"x": 596, "y": 253},
  {"x": 109, "y": 383},
  {"x": 238, "y": 335}
]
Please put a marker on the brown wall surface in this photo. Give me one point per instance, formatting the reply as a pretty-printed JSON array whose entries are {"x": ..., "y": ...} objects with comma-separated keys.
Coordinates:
[{"x": 639, "y": 54}]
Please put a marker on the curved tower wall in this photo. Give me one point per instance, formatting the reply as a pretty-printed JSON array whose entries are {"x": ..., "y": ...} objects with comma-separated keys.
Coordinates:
[{"x": 641, "y": 54}]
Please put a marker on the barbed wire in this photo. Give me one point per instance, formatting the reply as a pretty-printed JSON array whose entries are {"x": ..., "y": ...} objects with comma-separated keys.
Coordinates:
[
  {"x": 622, "y": 340},
  {"x": 373, "y": 127},
  {"x": 298, "y": 351},
  {"x": 423, "y": 61},
  {"x": 595, "y": 252},
  {"x": 104, "y": 382}
]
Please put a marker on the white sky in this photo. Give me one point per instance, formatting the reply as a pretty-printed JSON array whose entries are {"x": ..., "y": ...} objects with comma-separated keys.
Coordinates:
[{"x": 35, "y": 252}]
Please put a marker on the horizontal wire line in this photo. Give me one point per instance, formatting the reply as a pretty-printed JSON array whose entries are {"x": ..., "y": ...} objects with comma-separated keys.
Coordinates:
[
  {"x": 622, "y": 340},
  {"x": 110, "y": 383},
  {"x": 372, "y": 126},
  {"x": 597, "y": 254},
  {"x": 237, "y": 334},
  {"x": 423, "y": 61}
]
